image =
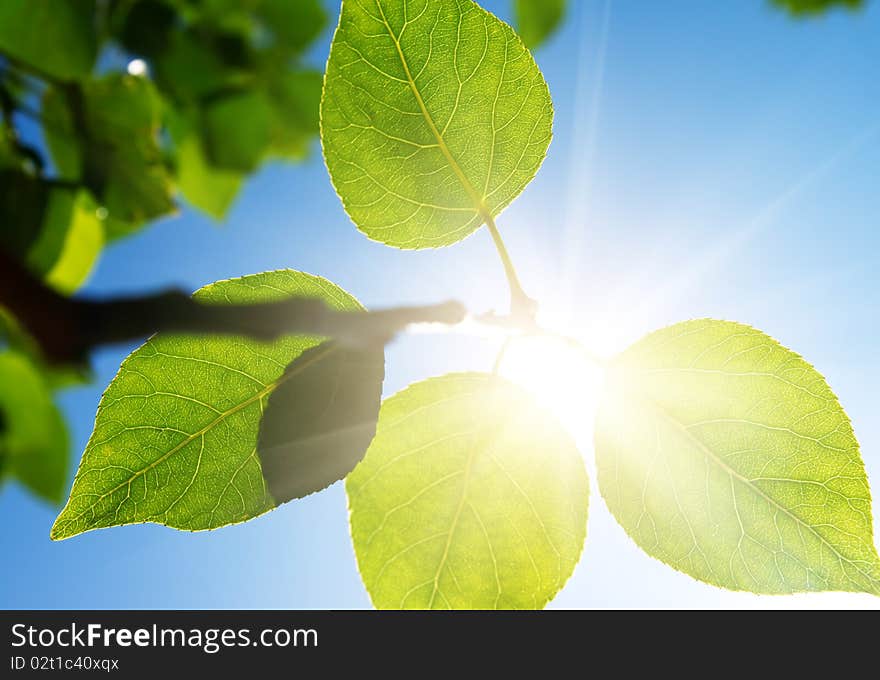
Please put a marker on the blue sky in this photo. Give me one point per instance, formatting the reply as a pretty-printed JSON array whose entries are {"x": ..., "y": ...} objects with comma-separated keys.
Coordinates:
[{"x": 710, "y": 159}]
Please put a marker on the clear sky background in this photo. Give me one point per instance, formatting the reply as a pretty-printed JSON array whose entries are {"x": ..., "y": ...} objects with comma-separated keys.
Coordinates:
[{"x": 710, "y": 159}]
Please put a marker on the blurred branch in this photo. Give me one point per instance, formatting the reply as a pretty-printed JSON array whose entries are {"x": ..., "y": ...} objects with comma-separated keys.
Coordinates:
[
  {"x": 30, "y": 69},
  {"x": 68, "y": 329}
]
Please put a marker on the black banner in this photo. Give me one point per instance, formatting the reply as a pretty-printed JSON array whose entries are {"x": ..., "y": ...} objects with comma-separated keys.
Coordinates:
[{"x": 153, "y": 644}]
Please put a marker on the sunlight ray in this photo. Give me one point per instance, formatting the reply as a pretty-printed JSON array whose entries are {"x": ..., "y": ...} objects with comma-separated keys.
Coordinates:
[
  {"x": 591, "y": 70},
  {"x": 720, "y": 253}
]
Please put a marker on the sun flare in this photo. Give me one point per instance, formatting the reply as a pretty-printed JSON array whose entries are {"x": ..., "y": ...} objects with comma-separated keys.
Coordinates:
[{"x": 561, "y": 378}]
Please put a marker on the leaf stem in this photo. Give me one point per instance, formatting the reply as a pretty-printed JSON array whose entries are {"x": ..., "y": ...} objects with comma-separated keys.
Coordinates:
[
  {"x": 522, "y": 307},
  {"x": 502, "y": 353},
  {"x": 30, "y": 70},
  {"x": 576, "y": 345}
]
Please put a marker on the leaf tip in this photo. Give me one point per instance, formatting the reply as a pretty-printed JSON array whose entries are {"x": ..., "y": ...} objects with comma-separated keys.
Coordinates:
[{"x": 60, "y": 529}]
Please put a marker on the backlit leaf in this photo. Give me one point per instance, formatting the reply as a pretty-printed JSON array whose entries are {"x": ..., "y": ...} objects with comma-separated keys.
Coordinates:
[
  {"x": 728, "y": 457},
  {"x": 176, "y": 434},
  {"x": 470, "y": 497},
  {"x": 434, "y": 116}
]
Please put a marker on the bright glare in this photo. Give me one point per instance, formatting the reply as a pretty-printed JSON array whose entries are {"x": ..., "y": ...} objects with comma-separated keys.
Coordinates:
[
  {"x": 561, "y": 378},
  {"x": 137, "y": 67},
  {"x": 801, "y": 601},
  {"x": 565, "y": 379}
]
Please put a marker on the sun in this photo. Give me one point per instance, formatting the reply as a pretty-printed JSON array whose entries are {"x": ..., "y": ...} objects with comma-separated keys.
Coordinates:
[{"x": 562, "y": 379}]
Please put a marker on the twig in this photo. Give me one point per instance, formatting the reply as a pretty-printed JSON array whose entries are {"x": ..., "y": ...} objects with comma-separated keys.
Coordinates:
[
  {"x": 526, "y": 327},
  {"x": 30, "y": 70},
  {"x": 68, "y": 329}
]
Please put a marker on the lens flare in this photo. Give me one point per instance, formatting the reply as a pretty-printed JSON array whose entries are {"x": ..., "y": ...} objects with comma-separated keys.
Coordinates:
[
  {"x": 137, "y": 67},
  {"x": 561, "y": 378}
]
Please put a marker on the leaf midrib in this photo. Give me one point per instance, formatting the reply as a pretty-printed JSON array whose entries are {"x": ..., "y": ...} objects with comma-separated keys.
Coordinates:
[
  {"x": 258, "y": 396},
  {"x": 478, "y": 202},
  {"x": 483, "y": 447},
  {"x": 712, "y": 456},
  {"x": 451, "y": 533}
]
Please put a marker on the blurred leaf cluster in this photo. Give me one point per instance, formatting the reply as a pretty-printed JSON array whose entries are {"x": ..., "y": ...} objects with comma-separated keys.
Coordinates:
[
  {"x": 111, "y": 111},
  {"x": 808, "y": 7}
]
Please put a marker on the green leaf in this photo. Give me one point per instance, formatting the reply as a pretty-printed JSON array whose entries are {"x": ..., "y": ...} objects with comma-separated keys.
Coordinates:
[
  {"x": 434, "y": 118},
  {"x": 105, "y": 134},
  {"x": 33, "y": 437},
  {"x": 145, "y": 26},
  {"x": 231, "y": 16},
  {"x": 175, "y": 439},
  {"x": 728, "y": 457},
  {"x": 70, "y": 242},
  {"x": 57, "y": 38},
  {"x": 537, "y": 20},
  {"x": 203, "y": 185},
  {"x": 296, "y": 23},
  {"x": 53, "y": 229},
  {"x": 470, "y": 497},
  {"x": 237, "y": 129},
  {"x": 192, "y": 67},
  {"x": 295, "y": 98},
  {"x": 317, "y": 427}
]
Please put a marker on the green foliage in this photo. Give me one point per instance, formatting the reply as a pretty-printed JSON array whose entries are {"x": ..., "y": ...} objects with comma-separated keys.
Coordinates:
[
  {"x": 33, "y": 437},
  {"x": 727, "y": 456},
  {"x": 237, "y": 130},
  {"x": 719, "y": 451},
  {"x": 537, "y": 20},
  {"x": 296, "y": 24},
  {"x": 812, "y": 7},
  {"x": 57, "y": 232},
  {"x": 470, "y": 497},
  {"x": 223, "y": 90},
  {"x": 57, "y": 38},
  {"x": 231, "y": 68},
  {"x": 433, "y": 119},
  {"x": 70, "y": 241},
  {"x": 206, "y": 187},
  {"x": 294, "y": 107},
  {"x": 56, "y": 377},
  {"x": 105, "y": 136},
  {"x": 176, "y": 434}
]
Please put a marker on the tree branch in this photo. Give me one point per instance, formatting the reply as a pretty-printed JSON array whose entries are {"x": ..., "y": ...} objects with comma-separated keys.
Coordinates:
[{"x": 68, "y": 329}]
